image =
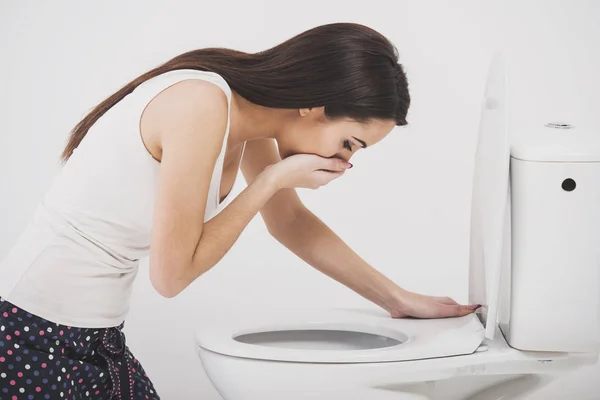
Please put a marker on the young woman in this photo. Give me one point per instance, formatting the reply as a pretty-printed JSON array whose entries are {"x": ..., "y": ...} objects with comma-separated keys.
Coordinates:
[{"x": 148, "y": 173}]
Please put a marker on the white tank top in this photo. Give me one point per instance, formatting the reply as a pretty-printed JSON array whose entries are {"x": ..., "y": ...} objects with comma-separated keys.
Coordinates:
[{"x": 76, "y": 260}]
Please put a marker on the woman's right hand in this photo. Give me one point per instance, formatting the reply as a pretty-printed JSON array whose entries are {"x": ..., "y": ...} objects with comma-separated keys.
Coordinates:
[{"x": 306, "y": 171}]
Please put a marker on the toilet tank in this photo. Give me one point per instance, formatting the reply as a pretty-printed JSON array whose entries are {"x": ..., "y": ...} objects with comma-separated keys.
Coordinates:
[{"x": 554, "y": 276}]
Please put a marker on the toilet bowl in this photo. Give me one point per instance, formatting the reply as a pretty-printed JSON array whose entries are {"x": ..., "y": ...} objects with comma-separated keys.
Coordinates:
[
  {"x": 341, "y": 338},
  {"x": 533, "y": 266},
  {"x": 364, "y": 354}
]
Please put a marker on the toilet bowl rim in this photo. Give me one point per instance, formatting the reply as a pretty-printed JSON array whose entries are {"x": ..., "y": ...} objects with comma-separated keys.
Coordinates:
[{"x": 463, "y": 339}]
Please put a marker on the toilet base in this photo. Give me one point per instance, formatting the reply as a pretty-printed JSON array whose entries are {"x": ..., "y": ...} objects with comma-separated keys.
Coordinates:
[{"x": 451, "y": 378}]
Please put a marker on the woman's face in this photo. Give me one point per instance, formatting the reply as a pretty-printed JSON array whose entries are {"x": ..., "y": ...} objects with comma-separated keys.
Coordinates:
[{"x": 312, "y": 133}]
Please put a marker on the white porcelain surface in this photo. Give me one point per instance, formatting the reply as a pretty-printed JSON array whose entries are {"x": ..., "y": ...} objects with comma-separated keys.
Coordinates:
[
  {"x": 555, "y": 274},
  {"x": 417, "y": 339},
  {"x": 365, "y": 354},
  {"x": 541, "y": 143},
  {"x": 489, "y": 204},
  {"x": 491, "y": 371}
]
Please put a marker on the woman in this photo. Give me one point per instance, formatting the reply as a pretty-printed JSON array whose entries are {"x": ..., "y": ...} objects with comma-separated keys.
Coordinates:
[{"x": 148, "y": 173}]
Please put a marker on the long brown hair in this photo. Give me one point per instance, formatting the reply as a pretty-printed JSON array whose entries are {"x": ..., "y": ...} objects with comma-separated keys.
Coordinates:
[{"x": 348, "y": 68}]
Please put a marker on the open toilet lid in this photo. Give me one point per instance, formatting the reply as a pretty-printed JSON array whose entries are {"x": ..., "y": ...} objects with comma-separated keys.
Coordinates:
[
  {"x": 399, "y": 339},
  {"x": 490, "y": 207}
]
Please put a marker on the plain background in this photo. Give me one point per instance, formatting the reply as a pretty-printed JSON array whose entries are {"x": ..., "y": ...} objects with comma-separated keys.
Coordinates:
[{"x": 404, "y": 206}]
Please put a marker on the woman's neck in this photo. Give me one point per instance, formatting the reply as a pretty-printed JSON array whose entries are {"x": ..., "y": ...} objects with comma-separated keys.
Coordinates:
[{"x": 249, "y": 121}]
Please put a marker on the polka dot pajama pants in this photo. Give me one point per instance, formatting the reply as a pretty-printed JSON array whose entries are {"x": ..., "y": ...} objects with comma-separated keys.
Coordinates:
[{"x": 43, "y": 360}]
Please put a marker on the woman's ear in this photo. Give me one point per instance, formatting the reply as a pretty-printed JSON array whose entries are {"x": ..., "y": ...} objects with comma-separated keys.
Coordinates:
[
  {"x": 304, "y": 111},
  {"x": 318, "y": 112}
]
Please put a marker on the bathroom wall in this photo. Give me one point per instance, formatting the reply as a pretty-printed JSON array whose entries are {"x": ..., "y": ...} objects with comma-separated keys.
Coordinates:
[{"x": 404, "y": 206}]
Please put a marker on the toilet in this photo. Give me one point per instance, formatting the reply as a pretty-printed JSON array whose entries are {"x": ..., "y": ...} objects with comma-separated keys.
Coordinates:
[{"x": 534, "y": 266}]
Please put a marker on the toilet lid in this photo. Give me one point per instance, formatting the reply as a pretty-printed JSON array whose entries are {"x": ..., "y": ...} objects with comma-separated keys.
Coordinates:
[
  {"x": 489, "y": 252},
  {"x": 339, "y": 336}
]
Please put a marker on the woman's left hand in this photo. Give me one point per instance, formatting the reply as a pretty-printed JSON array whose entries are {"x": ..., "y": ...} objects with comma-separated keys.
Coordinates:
[{"x": 421, "y": 306}]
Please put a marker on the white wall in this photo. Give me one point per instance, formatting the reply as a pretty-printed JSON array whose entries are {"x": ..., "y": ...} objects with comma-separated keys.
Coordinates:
[{"x": 404, "y": 207}]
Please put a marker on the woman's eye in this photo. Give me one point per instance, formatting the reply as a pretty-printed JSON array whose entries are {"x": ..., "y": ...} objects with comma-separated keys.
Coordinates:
[{"x": 347, "y": 145}]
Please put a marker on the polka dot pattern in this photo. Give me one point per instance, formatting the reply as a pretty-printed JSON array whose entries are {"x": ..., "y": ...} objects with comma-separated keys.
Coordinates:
[{"x": 40, "y": 359}]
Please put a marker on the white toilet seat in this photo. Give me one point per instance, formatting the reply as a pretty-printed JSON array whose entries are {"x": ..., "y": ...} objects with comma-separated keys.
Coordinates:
[{"x": 419, "y": 339}]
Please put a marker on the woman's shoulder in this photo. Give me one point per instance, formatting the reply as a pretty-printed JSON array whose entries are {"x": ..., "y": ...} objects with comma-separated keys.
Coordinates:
[{"x": 190, "y": 105}]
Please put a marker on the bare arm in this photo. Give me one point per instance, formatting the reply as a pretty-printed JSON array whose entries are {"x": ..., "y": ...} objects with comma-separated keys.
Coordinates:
[
  {"x": 192, "y": 119},
  {"x": 314, "y": 242},
  {"x": 282, "y": 206},
  {"x": 222, "y": 231},
  {"x": 303, "y": 233},
  {"x": 297, "y": 228}
]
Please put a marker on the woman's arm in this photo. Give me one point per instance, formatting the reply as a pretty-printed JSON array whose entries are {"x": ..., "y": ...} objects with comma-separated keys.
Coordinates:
[
  {"x": 303, "y": 233},
  {"x": 223, "y": 230},
  {"x": 314, "y": 242},
  {"x": 293, "y": 225},
  {"x": 191, "y": 119}
]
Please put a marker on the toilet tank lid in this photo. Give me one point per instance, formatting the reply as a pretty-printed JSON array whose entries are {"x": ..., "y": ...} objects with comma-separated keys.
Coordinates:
[{"x": 556, "y": 142}]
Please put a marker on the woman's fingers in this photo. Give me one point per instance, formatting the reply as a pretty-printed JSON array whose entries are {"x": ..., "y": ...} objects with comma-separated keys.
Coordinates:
[
  {"x": 446, "y": 300},
  {"x": 333, "y": 164},
  {"x": 456, "y": 310}
]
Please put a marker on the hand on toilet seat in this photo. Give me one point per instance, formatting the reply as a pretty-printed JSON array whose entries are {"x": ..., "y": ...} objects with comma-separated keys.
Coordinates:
[{"x": 421, "y": 306}]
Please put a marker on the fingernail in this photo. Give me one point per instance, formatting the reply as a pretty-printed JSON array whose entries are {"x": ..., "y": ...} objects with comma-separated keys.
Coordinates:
[
  {"x": 477, "y": 307},
  {"x": 350, "y": 165}
]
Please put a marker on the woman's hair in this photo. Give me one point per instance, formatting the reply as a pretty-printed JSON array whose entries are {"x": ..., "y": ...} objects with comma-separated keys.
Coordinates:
[{"x": 348, "y": 68}]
